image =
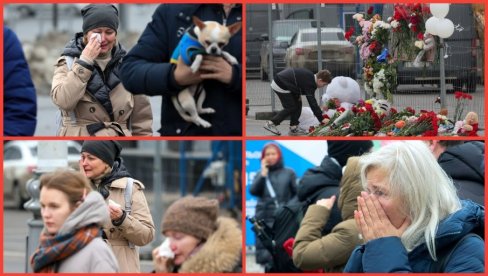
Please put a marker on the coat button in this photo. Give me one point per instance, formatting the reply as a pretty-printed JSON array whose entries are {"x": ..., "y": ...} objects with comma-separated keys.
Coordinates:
[
  {"x": 178, "y": 131},
  {"x": 81, "y": 71},
  {"x": 121, "y": 112},
  {"x": 92, "y": 109},
  {"x": 112, "y": 230}
]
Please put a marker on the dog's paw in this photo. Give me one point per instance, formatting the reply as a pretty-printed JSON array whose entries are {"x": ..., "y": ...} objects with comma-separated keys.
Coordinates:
[
  {"x": 201, "y": 122},
  {"x": 194, "y": 68},
  {"x": 207, "y": 110},
  {"x": 232, "y": 60}
]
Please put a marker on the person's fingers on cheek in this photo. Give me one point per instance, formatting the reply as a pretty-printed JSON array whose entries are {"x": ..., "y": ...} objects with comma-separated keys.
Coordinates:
[
  {"x": 358, "y": 222},
  {"x": 382, "y": 217}
]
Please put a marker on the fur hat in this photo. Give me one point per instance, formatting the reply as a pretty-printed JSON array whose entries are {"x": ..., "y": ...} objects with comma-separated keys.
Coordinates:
[
  {"x": 106, "y": 150},
  {"x": 342, "y": 150},
  {"x": 100, "y": 15},
  {"x": 195, "y": 216}
]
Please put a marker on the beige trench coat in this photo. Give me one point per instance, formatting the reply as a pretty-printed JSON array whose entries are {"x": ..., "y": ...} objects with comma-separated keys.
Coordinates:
[
  {"x": 132, "y": 113},
  {"x": 137, "y": 228}
]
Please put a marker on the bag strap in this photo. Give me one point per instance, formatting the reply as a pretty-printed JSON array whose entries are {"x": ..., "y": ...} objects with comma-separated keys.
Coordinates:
[
  {"x": 127, "y": 199},
  {"x": 440, "y": 265},
  {"x": 272, "y": 192}
]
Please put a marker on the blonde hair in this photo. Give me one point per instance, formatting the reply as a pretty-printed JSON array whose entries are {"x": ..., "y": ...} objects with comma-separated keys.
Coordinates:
[
  {"x": 72, "y": 183},
  {"x": 422, "y": 186}
]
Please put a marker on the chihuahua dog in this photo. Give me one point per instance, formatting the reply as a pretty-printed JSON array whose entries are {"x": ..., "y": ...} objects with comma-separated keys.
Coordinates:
[{"x": 206, "y": 38}]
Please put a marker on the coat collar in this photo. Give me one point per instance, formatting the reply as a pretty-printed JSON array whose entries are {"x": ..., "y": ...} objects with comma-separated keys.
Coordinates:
[{"x": 220, "y": 253}]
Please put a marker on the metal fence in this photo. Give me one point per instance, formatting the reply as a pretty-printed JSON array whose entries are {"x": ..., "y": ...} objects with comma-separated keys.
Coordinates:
[{"x": 418, "y": 87}]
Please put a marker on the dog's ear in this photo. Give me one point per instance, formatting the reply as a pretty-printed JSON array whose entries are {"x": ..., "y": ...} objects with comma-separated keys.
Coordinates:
[
  {"x": 234, "y": 28},
  {"x": 199, "y": 23}
]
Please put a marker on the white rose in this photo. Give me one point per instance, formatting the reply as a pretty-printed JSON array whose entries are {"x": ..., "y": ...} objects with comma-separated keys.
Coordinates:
[
  {"x": 395, "y": 24},
  {"x": 358, "y": 16},
  {"x": 419, "y": 44}
]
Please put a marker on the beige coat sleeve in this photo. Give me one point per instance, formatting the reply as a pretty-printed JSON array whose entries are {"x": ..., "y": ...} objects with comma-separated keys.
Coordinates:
[
  {"x": 68, "y": 87},
  {"x": 141, "y": 118},
  {"x": 312, "y": 251},
  {"x": 138, "y": 227}
]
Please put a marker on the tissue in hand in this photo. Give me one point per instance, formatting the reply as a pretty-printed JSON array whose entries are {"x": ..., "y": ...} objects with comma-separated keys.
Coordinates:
[
  {"x": 111, "y": 202},
  {"x": 165, "y": 251},
  {"x": 97, "y": 36}
]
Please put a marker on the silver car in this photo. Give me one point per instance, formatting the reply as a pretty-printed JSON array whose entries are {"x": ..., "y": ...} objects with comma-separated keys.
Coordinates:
[
  {"x": 338, "y": 54},
  {"x": 19, "y": 164}
]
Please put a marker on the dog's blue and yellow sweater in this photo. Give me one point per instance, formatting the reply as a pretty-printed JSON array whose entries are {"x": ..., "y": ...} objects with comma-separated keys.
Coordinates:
[{"x": 188, "y": 48}]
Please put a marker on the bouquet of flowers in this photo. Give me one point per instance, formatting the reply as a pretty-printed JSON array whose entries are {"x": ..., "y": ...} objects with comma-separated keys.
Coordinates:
[
  {"x": 461, "y": 103},
  {"x": 379, "y": 72},
  {"x": 408, "y": 28},
  {"x": 366, "y": 119}
]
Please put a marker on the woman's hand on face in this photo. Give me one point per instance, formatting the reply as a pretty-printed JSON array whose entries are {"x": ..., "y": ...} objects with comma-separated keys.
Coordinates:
[
  {"x": 115, "y": 212},
  {"x": 372, "y": 221},
  {"x": 264, "y": 168},
  {"x": 327, "y": 202},
  {"x": 160, "y": 263},
  {"x": 92, "y": 49}
]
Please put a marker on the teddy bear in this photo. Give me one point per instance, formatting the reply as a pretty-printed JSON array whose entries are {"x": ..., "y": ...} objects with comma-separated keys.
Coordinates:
[
  {"x": 341, "y": 92},
  {"x": 470, "y": 125}
]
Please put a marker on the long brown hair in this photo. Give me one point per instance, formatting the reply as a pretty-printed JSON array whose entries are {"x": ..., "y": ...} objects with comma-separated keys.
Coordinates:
[{"x": 72, "y": 183}]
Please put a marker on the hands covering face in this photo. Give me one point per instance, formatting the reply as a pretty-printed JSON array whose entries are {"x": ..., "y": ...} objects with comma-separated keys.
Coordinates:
[{"x": 372, "y": 221}]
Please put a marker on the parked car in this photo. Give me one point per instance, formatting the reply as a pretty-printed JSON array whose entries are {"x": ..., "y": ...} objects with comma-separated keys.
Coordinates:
[
  {"x": 283, "y": 30},
  {"x": 462, "y": 51},
  {"x": 19, "y": 164},
  {"x": 338, "y": 54}
]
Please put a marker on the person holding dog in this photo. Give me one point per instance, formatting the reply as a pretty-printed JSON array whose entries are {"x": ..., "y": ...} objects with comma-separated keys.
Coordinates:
[
  {"x": 86, "y": 85},
  {"x": 289, "y": 85},
  {"x": 130, "y": 225},
  {"x": 147, "y": 69}
]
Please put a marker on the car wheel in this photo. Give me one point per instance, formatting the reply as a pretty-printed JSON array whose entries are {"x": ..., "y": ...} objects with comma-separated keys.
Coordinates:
[{"x": 264, "y": 76}]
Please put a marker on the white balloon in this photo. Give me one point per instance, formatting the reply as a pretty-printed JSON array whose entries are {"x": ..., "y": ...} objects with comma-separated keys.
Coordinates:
[
  {"x": 445, "y": 28},
  {"x": 431, "y": 25},
  {"x": 439, "y": 10}
]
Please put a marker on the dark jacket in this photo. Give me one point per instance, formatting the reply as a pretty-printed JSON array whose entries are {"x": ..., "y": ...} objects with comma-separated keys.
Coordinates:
[
  {"x": 300, "y": 81},
  {"x": 19, "y": 98},
  {"x": 463, "y": 164},
  {"x": 283, "y": 181},
  {"x": 468, "y": 257},
  {"x": 322, "y": 182},
  {"x": 147, "y": 70}
]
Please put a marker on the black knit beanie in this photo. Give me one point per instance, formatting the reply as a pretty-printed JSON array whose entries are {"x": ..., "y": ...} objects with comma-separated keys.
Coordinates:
[
  {"x": 196, "y": 216},
  {"x": 100, "y": 15},
  {"x": 106, "y": 150},
  {"x": 342, "y": 150}
]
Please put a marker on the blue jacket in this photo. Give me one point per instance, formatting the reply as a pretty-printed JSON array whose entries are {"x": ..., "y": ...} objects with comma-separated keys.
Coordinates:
[
  {"x": 188, "y": 48},
  {"x": 386, "y": 255},
  {"x": 19, "y": 100},
  {"x": 147, "y": 70}
]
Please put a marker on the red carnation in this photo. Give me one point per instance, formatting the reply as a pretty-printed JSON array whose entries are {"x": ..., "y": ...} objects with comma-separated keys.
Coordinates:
[{"x": 370, "y": 9}]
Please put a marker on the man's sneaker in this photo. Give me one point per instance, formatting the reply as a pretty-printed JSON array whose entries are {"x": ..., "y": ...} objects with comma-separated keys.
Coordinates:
[
  {"x": 297, "y": 131},
  {"x": 269, "y": 126}
]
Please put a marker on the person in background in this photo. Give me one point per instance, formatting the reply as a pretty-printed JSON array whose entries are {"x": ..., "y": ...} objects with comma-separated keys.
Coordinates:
[
  {"x": 199, "y": 240},
  {"x": 275, "y": 185},
  {"x": 408, "y": 221},
  {"x": 130, "y": 224},
  {"x": 86, "y": 84},
  {"x": 19, "y": 98},
  {"x": 147, "y": 69},
  {"x": 72, "y": 215},
  {"x": 462, "y": 161},
  {"x": 290, "y": 84},
  {"x": 312, "y": 250}
]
